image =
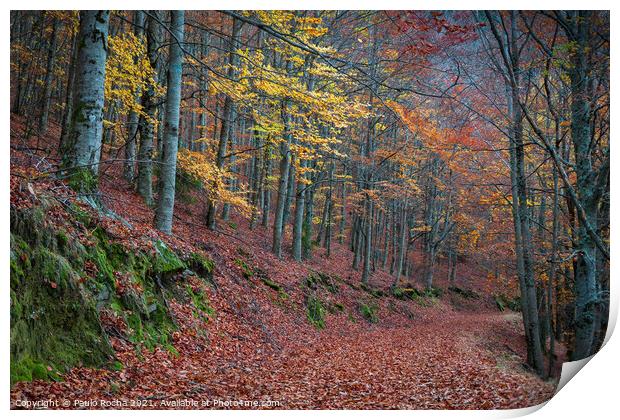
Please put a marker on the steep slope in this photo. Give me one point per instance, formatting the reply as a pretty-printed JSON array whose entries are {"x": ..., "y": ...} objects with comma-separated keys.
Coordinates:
[{"x": 132, "y": 318}]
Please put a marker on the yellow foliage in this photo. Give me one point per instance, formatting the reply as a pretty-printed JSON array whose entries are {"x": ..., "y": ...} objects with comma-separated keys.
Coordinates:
[
  {"x": 202, "y": 167},
  {"x": 128, "y": 72}
]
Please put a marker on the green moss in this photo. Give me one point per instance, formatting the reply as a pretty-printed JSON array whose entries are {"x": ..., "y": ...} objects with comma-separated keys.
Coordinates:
[
  {"x": 373, "y": 292},
  {"x": 83, "y": 180},
  {"x": 433, "y": 292},
  {"x": 150, "y": 335},
  {"x": 271, "y": 284},
  {"x": 54, "y": 302},
  {"x": 39, "y": 371},
  {"x": 369, "y": 312},
  {"x": 200, "y": 302},
  {"x": 117, "y": 366},
  {"x": 318, "y": 279},
  {"x": 166, "y": 261},
  {"x": 398, "y": 293},
  {"x": 62, "y": 240},
  {"x": 201, "y": 265},
  {"x": 27, "y": 369},
  {"x": 80, "y": 214},
  {"x": 245, "y": 268},
  {"x": 54, "y": 321},
  {"x": 315, "y": 312},
  {"x": 405, "y": 293}
]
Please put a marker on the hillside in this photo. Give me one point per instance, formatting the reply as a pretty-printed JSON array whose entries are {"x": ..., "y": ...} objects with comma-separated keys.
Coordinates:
[{"x": 105, "y": 308}]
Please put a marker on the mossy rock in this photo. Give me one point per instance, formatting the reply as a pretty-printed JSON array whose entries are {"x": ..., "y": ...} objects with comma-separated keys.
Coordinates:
[
  {"x": 369, "y": 312},
  {"x": 54, "y": 321},
  {"x": 27, "y": 369},
  {"x": 317, "y": 279},
  {"x": 55, "y": 303},
  {"x": 201, "y": 265},
  {"x": 166, "y": 261}
]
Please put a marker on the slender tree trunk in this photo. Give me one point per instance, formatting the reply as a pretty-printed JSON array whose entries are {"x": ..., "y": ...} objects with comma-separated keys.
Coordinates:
[
  {"x": 149, "y": 119},
  {"x": 67, "y": 116},
  {"x": 49, "y": 76},
  {"x": 133, "y": 118},
  {"x": 266, "y": 189},
  {"x": 278, "y": 226},
  {"x": 403, "y": 244},
  {"x": 300, "y": 204},
  {"x": 227, "y": 117}
]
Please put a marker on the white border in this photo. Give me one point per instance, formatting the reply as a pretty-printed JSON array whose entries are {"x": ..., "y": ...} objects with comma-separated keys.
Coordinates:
[{"x": 592, "y": 395}]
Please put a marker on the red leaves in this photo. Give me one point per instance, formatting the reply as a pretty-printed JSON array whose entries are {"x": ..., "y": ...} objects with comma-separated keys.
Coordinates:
[{"x": 259, "y": 347}]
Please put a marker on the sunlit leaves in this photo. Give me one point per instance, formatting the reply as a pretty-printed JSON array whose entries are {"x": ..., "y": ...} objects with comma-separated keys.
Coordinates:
[{"x": 128, "y": 72}]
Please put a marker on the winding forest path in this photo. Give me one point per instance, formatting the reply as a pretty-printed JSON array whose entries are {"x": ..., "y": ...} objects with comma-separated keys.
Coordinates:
[{"x": 458, "y": 362}]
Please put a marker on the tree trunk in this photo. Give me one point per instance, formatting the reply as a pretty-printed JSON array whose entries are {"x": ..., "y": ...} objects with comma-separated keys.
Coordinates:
[
  {"x": 165, "y": 199},
  {"x": 133, "y": 118},
  {"x": 87, "y": 129},
  {"x": 67, "y": 116},
  {"x": 49, "y": 75},
  {"x": 585, "y": 267},
  {"x": 147, "y": 121},
  {"x": 403, "y": 244},
  {"x": 228, "y": 113},
  {"x": 300, "y": 203}
]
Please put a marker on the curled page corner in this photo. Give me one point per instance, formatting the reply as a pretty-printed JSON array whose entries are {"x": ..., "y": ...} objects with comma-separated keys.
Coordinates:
[{"x": 569, "y": 370}]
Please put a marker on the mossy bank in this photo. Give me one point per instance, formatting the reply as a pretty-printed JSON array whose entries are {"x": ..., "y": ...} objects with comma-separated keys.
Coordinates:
[{"x": 63, "y": 283}]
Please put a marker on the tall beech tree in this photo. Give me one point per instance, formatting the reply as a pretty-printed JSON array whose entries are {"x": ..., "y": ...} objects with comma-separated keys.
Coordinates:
[
  {"x": 165, "y": 199},
  {"x": 84, "y": 148}
]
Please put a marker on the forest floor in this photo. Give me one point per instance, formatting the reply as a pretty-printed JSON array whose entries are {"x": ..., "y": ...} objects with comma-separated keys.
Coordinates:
[{"x": 259, "y": 350}]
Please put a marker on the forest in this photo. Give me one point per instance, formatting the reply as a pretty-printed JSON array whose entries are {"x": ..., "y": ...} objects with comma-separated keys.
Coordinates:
[{"x": 306, "y": 209}]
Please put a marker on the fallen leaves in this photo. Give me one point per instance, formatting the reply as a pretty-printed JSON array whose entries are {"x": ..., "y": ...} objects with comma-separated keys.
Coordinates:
[{"x": 257, "y": 346}]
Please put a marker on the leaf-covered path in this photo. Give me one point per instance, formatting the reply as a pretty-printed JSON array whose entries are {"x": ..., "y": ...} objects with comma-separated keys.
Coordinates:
[
  {"x": 448, "y": 363},
  {"x": 443, "y": 364}
]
